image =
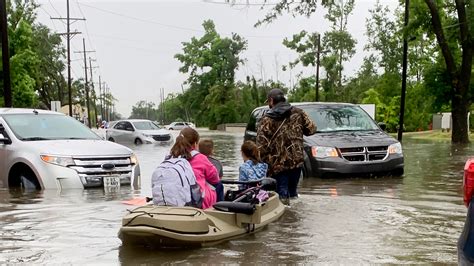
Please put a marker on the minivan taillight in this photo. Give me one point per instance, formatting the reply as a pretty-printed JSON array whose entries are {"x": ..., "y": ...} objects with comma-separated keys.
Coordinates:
[{"x": 468, "y": 181}]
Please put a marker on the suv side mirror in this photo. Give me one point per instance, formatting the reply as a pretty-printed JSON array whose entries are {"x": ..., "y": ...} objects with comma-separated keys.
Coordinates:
[
  {"x": 4, "y": 139},
  {"x": 382, "y": 125}
]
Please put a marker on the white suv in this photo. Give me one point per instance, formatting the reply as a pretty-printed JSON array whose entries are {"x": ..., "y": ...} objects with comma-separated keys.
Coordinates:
[{"x": 44, "y": 150}]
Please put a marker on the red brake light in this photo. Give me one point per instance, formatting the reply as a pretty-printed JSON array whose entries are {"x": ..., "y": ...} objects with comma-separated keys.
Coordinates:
[{"x": 468, "y": 181}]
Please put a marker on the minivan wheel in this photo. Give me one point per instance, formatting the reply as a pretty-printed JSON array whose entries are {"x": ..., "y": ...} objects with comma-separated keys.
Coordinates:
[
  {"x": 111, "y": 139},
  {"x": 138, "y": 142}
]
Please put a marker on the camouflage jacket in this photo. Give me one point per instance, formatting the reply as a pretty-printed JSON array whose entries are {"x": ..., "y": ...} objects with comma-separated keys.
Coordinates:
[{"x": 280, "y": 137}]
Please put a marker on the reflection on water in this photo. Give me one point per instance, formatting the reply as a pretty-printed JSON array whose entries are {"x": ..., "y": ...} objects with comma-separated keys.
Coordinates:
[{"x": 414, "y": 219}]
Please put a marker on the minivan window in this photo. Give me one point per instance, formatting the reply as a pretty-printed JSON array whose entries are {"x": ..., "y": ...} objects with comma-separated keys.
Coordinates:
[
  {"x": 340, "y": 118},
  {"x": 30, "y": 127}
]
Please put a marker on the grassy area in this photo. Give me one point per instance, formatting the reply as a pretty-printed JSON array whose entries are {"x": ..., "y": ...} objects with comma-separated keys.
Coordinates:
[{"x": 431, "y": 134}]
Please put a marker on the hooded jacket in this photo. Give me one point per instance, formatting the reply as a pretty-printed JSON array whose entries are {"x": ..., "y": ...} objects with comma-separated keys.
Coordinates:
[
  {"x": 206, "y": 174},
  {"x": 280, "y": 137}
]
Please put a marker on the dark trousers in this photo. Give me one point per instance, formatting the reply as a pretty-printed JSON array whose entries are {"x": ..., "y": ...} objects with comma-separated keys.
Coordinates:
[
  {"x": 287, "y": 183},
  {"x": 219, "y": 191}
]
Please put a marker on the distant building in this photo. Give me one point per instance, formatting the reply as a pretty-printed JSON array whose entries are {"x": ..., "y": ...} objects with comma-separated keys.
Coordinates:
[{"x": 78, "y": 112}]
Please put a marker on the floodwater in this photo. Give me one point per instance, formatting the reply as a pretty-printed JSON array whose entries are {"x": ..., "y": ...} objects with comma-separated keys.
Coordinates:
[{"x": 410, "y": 220}]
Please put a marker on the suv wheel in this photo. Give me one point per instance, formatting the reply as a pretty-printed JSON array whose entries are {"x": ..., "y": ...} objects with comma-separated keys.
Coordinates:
[
  {"x": 138, "y": 141},
  {"x": 23, "y": 177},
  {"x": 111, "y": 139}
]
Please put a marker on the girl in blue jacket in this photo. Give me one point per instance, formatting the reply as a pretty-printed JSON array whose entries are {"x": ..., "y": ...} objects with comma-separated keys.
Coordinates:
[{"x": 252, "y": 168}]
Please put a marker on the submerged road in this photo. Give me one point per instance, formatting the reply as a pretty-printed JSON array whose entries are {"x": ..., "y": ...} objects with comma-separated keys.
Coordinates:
[{"x": 409, "y": 220}]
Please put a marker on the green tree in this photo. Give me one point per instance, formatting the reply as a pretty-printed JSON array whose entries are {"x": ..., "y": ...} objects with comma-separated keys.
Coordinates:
[
  {"x": 211, "y": 61},
  {"x": 23, "y": 60},
  {"x": 306, "y": 45},
  {"x": 383, "y": 39},
  {"x": 452, "y": 24},
  {"x": 51, "y": 54},
  {"x": 338, "y": 40},
  {"x": 144, "y": 110}
]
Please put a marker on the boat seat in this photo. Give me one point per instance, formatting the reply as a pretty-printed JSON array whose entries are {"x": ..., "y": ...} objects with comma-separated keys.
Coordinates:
[{"x": 237, "y": 207}]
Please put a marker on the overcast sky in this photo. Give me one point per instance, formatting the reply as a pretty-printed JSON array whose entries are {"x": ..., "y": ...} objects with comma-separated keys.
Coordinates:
[{"x": 135, "y": 41}]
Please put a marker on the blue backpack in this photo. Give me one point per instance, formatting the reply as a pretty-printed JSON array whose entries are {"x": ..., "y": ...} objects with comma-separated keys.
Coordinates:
[{"x": 174, "y": 184}]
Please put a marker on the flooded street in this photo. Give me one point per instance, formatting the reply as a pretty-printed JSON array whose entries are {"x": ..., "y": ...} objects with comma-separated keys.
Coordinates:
[{"x": 409, "y": 220}]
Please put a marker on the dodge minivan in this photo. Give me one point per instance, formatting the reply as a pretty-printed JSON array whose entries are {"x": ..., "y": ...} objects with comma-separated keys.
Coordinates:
[
  {"x": 42, "y": 149},
  {"x": 347, "y": 142}
]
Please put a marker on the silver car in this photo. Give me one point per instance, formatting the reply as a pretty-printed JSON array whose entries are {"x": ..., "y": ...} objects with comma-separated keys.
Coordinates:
[
  {"x": 138, "y": 131},
  {"x": 41, "y": 149}
]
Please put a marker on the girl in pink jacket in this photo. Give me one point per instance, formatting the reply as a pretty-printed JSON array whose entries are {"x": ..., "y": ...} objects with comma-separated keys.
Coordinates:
[{"x": 205, "y": 172}]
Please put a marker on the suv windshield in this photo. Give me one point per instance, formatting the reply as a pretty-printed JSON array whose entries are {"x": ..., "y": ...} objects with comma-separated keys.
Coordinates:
[
  {"x": 340, "y": 118},
  {"x": 145, "y": 125},
  {"x": 30, "y": 127}
]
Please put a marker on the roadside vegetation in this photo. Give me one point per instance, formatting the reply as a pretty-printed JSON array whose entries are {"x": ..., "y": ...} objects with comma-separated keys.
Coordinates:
[
  {"x": 440, "y": 50},
  {"x": 439, "y": 80}
]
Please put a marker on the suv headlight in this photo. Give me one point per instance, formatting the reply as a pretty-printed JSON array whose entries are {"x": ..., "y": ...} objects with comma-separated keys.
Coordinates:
[
  {"x": 146, "y": 135},
  {"x": 58, "y": 160},
  {"x": 324, "y": 152},
  {"x": 395, "y": 148},
  {"x": 133, "y": 159}
]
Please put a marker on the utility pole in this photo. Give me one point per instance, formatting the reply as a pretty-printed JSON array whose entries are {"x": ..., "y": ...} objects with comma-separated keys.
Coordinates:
[
  {"x": 162, "y": 106},
  {"x": 93, "y": 93},
  {"x": 86, "y": 86},
  {"x": 69, "y": 36},
  {"x": 107, "y": 103},
  {"x": 404, "y": 72},
  {"x": 100, "y": 100},
  {"x": 7, "y": 89},
  {"x": 317, "y": 66}
]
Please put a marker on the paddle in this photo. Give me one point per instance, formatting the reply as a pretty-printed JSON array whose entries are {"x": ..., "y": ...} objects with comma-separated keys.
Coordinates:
[{"x": 137, "y": 201}]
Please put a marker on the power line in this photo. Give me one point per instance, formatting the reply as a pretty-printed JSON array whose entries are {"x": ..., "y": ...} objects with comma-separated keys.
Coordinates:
[
  {"x": 51, "y": 3},
  {"x": 168, "y": 25},
  {"x": 235, "y": 4},
  {"x": 47, "y": 13},
  {"x": 140, "y": 19},
  {"x": 130, "y": 40},
  {"x": 89, "y": 39}
]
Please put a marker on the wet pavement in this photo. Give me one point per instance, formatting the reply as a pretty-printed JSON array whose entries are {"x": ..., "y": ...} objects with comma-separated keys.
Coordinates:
[{"x": 409, "y": 220}]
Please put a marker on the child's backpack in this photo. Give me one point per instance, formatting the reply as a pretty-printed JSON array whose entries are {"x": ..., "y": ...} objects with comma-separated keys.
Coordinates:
[{"x": 174, "y": 184}]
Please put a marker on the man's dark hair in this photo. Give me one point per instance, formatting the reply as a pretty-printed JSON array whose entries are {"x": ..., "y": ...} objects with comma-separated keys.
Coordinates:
[{"x": 277, "y": 95}]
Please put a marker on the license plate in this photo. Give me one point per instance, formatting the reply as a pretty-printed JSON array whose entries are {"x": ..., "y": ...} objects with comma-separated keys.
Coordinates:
[{"x": 111, "y": 181}]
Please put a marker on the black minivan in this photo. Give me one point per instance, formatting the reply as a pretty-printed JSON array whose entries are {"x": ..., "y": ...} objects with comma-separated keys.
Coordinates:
[{"x": 347, "y": 142}]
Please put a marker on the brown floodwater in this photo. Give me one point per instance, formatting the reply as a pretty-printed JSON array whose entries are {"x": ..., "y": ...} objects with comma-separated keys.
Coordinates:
[{"x": 409, "y": 220}]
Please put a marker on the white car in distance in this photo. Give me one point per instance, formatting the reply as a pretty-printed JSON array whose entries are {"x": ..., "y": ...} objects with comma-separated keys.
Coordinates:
[
  {"x": 180, "y": 125},
  {"x": 138, "y": 131}
]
